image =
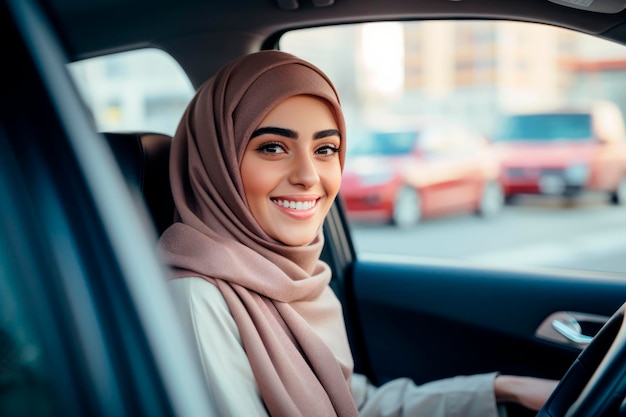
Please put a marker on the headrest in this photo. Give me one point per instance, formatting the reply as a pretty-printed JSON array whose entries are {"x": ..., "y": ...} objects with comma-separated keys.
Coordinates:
[{"x": 144, "y": 160}]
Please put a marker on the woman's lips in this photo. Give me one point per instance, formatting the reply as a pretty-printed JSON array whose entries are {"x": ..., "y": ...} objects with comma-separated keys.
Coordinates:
[{"x": 301, "y": 209}]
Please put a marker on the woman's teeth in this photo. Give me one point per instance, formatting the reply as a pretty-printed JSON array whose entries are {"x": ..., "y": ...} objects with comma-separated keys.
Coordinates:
[{"x": 297, "y": 205}]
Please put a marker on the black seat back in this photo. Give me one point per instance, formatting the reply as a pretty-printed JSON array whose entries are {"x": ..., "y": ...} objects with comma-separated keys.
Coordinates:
[{"x": 144, "y": 161}]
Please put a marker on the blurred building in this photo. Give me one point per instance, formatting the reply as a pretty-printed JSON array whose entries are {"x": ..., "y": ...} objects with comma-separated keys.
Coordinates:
[
  {"x": 474, "y": 70},
  {"x": 139, "y": 90}
]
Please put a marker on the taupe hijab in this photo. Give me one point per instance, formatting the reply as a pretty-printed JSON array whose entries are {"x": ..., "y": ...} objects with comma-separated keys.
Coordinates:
[{"x": 290, "y": 321}]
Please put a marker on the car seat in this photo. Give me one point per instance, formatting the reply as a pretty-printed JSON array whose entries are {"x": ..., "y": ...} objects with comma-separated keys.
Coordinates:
[{"x": 144, "y": 161}]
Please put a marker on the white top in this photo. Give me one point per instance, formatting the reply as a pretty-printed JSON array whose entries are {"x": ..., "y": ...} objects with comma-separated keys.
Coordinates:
[{"x": 235, "y": 391}]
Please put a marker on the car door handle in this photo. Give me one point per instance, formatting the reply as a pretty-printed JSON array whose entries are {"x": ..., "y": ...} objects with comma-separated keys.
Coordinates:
[
  {"x": 571, "y": 330},
  {"x": 566, "y": 328}
]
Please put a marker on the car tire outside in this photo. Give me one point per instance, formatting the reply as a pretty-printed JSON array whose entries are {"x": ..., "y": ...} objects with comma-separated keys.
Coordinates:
[
  {"x": 407, "y": 210},
  {"x": 618, "y": 197},
  {"x": 491, "y": 200},
  {"x": 510, "y": 200}
]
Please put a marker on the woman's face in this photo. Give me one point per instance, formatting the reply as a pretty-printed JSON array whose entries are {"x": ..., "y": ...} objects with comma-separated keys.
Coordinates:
[{"x": 291, "y": 171}]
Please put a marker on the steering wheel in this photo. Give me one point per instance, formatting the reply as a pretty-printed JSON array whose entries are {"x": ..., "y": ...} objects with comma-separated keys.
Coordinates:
[{"x": 595, "y": 384}]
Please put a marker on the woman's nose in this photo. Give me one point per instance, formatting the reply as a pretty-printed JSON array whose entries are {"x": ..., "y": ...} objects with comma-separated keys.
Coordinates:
[{"x": 304, "y": 172}]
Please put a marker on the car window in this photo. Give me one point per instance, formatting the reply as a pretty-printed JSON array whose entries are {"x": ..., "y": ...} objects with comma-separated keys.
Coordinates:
[
  {"x": 386, "y": 143},
  {"x": 143, "y": 90},
  {"x": 542, "y": 127},
  {"x": 469, "y": 195}
]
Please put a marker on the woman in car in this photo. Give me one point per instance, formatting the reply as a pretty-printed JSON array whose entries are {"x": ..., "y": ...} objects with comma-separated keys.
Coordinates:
[{"x": 255, "y": 166}]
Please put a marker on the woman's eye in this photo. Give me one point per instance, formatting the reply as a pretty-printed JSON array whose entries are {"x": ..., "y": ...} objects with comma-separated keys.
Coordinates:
[
  {"x": 327, "y": 150},
  {"x": 271, "y": 148}
]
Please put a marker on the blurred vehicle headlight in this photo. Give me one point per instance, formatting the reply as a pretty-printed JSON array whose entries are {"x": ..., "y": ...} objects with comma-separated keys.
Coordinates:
[{"x": 576, "y": 174}]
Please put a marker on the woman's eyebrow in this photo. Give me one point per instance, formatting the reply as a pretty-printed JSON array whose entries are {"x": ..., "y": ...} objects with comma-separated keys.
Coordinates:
[
  {"x": 326, "y": 133},
  {"x": 288, "y": 133}
]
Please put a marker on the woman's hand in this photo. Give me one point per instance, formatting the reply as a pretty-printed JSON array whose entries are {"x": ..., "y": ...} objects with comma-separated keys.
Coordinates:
[{"x": 527, "y": 391}]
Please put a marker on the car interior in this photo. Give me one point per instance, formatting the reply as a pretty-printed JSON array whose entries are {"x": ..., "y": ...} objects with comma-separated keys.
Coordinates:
[{"x": 86, "y": 325}]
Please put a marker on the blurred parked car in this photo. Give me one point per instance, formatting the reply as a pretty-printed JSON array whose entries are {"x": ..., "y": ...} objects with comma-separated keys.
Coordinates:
[
  {"x": 402, "y": 175},
  {"x": 564, "y": 152}
]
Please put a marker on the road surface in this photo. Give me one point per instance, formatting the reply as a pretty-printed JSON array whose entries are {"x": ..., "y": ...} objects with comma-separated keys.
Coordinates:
[{"x": 585, "y": 234}]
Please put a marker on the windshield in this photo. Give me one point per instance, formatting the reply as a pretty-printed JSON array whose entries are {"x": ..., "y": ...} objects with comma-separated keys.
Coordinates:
[
  {"x": 546, "y": 127},
  {"x": 385, "y": 143}
]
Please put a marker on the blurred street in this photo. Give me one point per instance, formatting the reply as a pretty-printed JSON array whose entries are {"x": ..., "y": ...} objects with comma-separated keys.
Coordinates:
[{"x": 584, "y": 234}]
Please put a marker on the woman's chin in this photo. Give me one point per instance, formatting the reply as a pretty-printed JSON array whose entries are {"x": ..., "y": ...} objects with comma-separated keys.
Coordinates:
[{"x": 297, "y": 238}]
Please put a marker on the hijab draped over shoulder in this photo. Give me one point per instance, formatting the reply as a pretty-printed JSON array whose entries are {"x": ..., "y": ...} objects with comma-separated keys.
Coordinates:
[{"x": 290, "y": 321}]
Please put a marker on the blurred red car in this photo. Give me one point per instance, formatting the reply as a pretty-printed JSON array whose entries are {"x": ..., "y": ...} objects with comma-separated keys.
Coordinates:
[
  {"x": 403, "y": 175},
  {"x": 564, "y": 152}
]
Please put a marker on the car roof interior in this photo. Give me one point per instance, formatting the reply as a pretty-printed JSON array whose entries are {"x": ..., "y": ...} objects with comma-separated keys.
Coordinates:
[{"x": 227, "y": 29}]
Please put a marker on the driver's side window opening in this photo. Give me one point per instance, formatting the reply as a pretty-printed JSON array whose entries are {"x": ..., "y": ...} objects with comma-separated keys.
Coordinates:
[{"x": 481, "y": 204}]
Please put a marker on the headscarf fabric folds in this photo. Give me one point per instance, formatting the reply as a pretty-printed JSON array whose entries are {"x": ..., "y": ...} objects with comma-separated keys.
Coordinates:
[{"x": 289, "y": 319}]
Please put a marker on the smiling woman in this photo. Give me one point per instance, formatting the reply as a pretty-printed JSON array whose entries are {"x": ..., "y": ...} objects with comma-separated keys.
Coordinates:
[
  {"x": 246, "y": 254},
  {"x": 255, "y": 303}
]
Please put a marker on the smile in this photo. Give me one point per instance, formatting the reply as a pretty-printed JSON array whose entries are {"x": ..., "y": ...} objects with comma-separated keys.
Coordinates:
[{"x": 295, "y": 205}]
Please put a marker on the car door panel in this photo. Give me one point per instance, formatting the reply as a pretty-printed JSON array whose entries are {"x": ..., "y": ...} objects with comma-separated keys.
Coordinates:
[{"x": 436, "y": 320}]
